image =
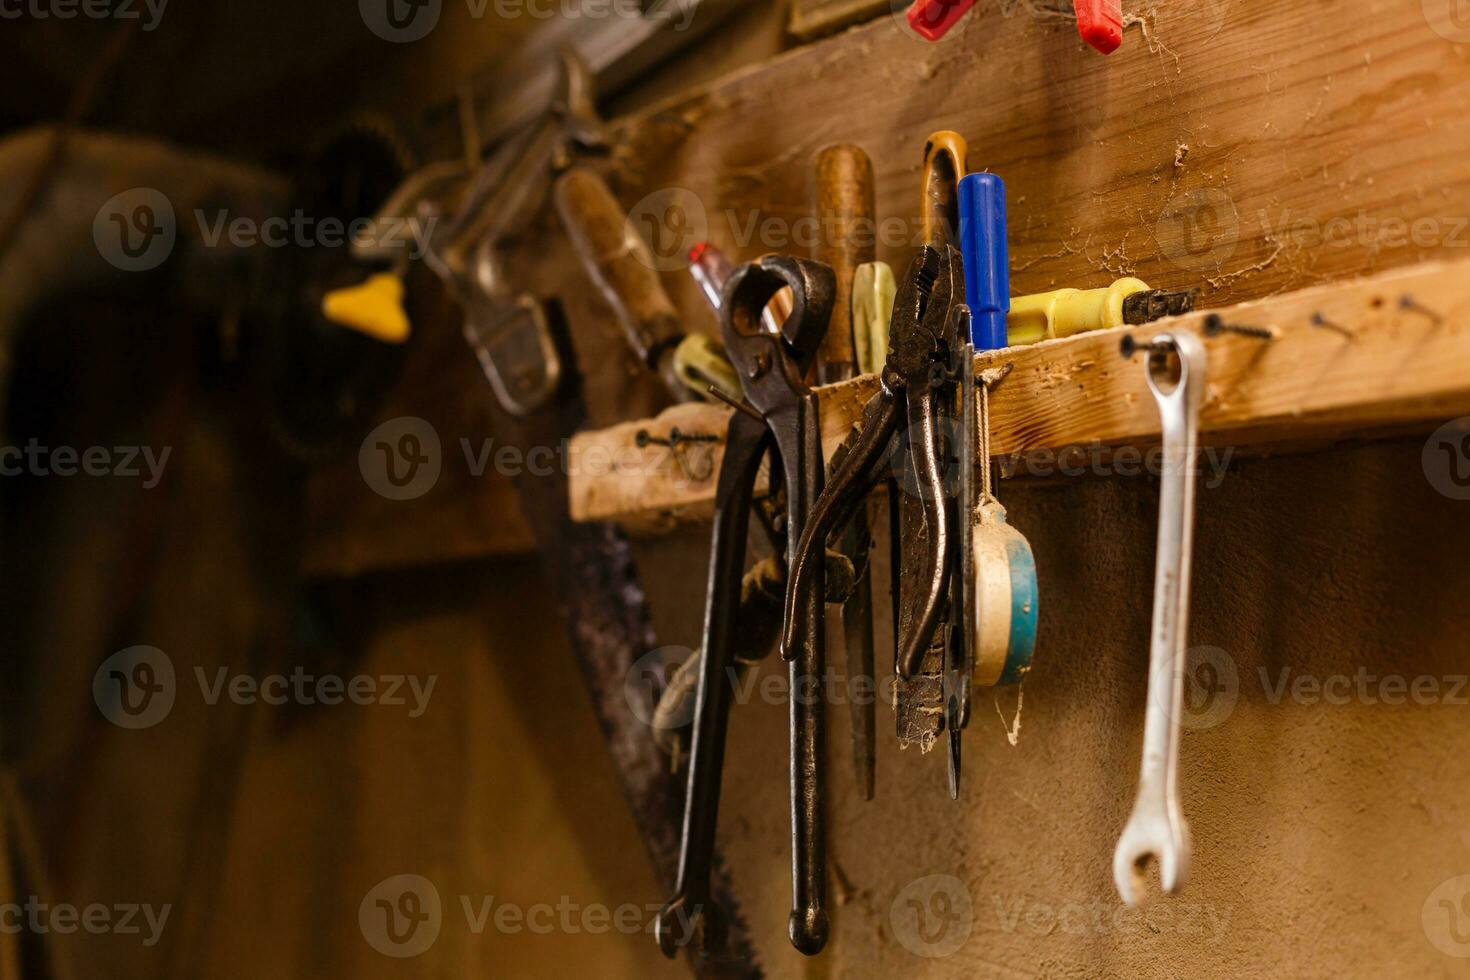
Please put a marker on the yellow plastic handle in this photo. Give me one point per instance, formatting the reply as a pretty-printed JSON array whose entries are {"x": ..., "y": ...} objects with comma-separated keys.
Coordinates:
[
  {"x": 872, "y": 307},
  {"x": 373, "y": 308},
  {"x": 1064, "y": 312}
]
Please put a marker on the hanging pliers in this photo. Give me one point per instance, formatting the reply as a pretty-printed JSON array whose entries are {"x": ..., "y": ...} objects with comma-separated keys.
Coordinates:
[
  {"x": 779, "y": 412},
  {"x": 927, "y": 338}
]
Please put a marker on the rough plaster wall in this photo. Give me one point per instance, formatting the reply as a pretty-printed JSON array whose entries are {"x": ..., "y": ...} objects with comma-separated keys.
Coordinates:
[
  {"x": 263, "y": 828},
  {"x": 501, "y": 793},
  {"x": 1320, "y": 830}
]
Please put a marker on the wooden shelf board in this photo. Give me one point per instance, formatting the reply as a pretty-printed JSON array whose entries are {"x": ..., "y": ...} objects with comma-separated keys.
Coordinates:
[{"x": 1312, "y": 384}]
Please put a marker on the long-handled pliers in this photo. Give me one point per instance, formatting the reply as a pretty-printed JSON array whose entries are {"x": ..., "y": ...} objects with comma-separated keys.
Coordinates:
[{"x": 779, "y": 412}]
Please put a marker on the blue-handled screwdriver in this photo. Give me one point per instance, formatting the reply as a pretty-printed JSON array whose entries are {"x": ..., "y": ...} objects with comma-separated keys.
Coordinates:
[{"x": 987, "y": 258}]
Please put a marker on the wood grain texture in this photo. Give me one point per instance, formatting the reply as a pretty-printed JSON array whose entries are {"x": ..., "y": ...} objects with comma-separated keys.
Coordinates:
[
  {"x": 844, "y": 207},
  {"x": 1246, "y": 147},
  {"x": 814, "y": 18},
  {"x": 1070, "y": 401},
  {"x": 1242, "y": 146}
]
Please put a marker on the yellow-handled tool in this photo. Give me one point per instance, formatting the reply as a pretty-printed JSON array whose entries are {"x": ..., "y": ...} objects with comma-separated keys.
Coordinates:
[
  {"x": 373, "y": 308},
  {"x": 1064, "y": 312},
  {"x": 700, "y": 362}
]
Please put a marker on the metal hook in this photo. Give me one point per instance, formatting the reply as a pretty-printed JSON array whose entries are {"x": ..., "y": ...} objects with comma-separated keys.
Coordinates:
[
  {"x": 740, "y": 405},
  {"x": 1407, "y": 302},
  {"x": 1130, "y": 346},
  {"x": 1320, "y": 320},
  {"x": 1215, "y": 325},
  {"x": 677, "y": 443}
]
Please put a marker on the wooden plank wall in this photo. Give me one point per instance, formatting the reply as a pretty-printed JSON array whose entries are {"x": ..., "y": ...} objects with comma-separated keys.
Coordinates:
[
  {"x": 1245, "y": 146},
  {"x": 814, "y": 18}
]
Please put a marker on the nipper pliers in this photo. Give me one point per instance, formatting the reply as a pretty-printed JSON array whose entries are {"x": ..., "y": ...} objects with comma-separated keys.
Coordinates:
[
  {"x": 914, "y": 416},
  {"x": 779, "y": 413}
]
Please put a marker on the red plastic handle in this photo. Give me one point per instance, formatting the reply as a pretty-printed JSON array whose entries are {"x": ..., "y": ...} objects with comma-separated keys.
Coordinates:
[
  {"x": 1100, "y": 23},
  {"x": 933, "y": 18}
]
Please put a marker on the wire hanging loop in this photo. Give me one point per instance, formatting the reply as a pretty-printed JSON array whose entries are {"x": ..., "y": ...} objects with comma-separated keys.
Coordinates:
[{"x": 987, "y": 379}]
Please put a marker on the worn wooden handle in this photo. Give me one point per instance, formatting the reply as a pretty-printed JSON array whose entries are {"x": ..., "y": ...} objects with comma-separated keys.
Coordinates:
[
  {"x": 944, "y": 165},
  {"x": 619, "y": 262},
  {"x": 847, "y": 238}
]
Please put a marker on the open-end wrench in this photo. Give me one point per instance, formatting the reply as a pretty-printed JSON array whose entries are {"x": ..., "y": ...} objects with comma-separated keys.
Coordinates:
[{"x": 1157, "y": 828}]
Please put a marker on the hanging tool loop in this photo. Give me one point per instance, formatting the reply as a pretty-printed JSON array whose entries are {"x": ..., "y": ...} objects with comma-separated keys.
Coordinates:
[
  {"x": 987, "y": 379},
  {"x": 690, "y": 451}
]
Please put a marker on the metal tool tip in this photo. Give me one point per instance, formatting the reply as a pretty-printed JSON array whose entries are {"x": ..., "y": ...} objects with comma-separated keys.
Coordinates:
[
  {"x": 954, "y": 764},
  {"x": 1156, "y": 304},
  {"x": 808, "y": 929}
]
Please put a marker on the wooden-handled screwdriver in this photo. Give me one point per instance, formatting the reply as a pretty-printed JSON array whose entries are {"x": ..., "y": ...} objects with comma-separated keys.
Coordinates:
[
  {"x": 847, "y": 240},
  {"x": 619, "y": 262}
]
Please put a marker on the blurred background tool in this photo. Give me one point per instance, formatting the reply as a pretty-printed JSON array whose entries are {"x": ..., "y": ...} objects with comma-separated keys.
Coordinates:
[
  {"x": 325, "y": 385},
  {"x": 1100, "y": 22},
  {"x": 619, "y": 262},
  {"x": 471, "y": 209},
  {"x": 987, "y": 258},
  {"x": 1064, "y": 312},
  {"x": 700, "y": 363},
  {"x": 374, "y": 308},
  {"x": 617, "y": 50},
  {"x": 932, "y": 19}
]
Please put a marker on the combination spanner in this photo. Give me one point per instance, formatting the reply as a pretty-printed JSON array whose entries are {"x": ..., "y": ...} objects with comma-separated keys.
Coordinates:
[{"x": 1157, "y": 828}]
